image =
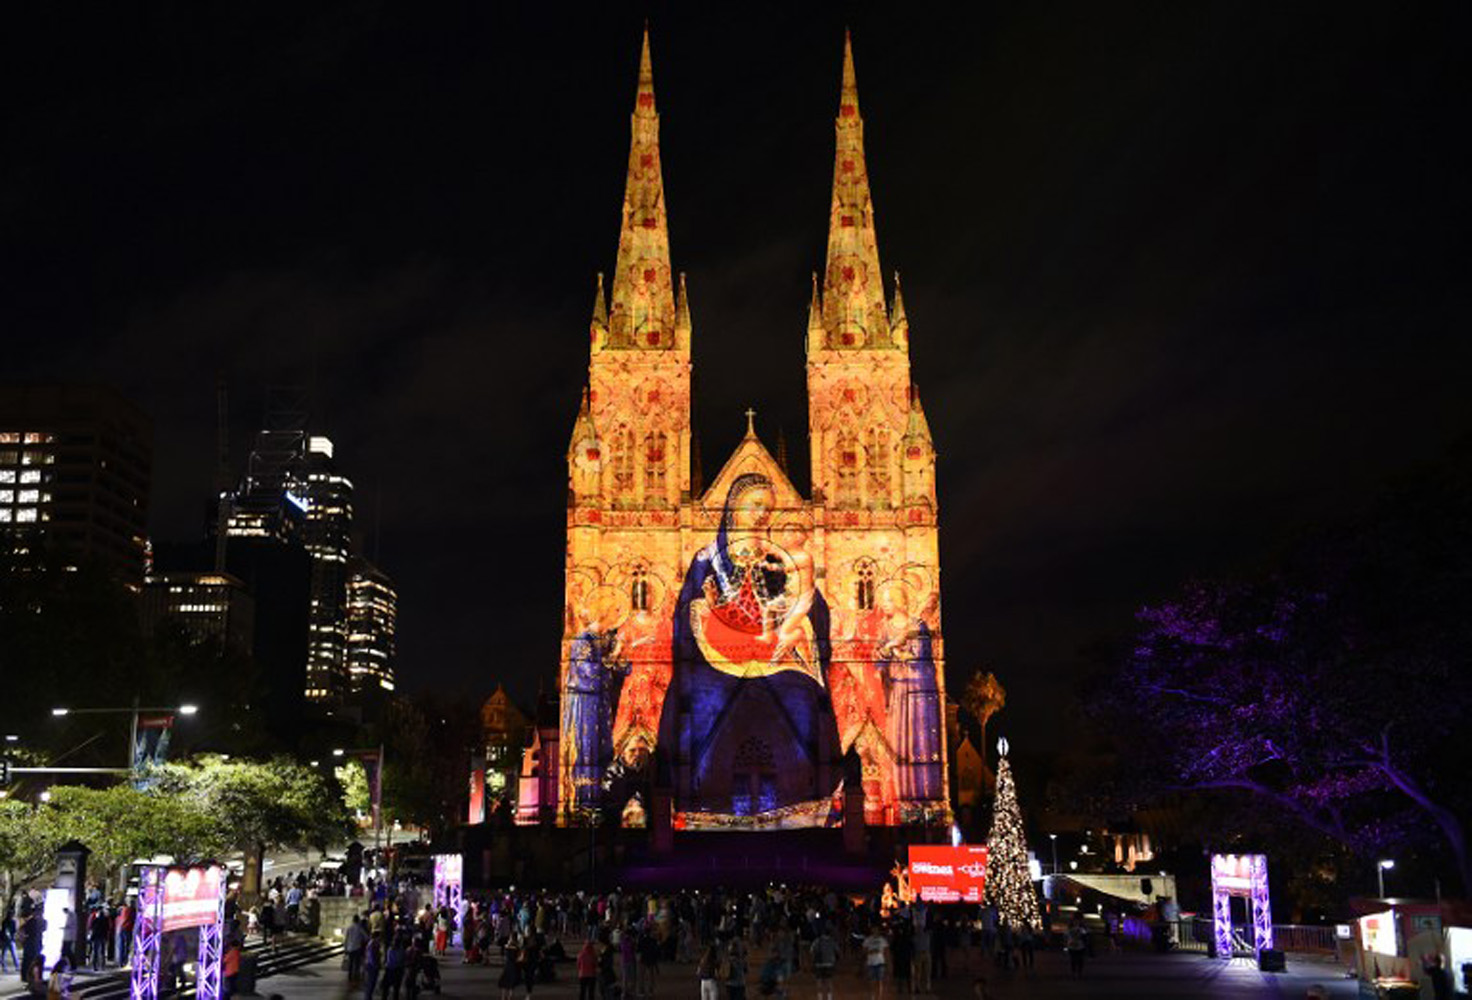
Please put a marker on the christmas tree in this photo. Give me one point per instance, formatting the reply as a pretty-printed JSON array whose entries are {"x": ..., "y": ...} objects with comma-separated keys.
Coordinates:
[{"x": 1008, "y": 880}]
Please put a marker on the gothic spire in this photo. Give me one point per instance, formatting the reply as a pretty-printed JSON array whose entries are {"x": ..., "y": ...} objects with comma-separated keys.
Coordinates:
[
  {"x": 643, "y": 313},
  {"x": 899, "y": 323},
  {"x": 853, "y": 286}
]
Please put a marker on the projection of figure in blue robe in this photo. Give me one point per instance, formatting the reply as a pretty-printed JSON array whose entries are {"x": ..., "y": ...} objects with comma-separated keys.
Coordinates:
[
  {"x": 587, "y": 707},
  {"x": 725, "y": 640},
  {"x": 914, "y": 713}
]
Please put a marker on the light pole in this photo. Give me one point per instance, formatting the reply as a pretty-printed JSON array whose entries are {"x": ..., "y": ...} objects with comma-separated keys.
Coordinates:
[
  {"x": 133, "y": 711},
  {"x": 1054, "y": 838},
  {"x": 1381, "y": 868}
]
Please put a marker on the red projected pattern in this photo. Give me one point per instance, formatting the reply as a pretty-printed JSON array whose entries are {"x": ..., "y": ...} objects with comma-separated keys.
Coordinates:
[
  {"x": 191, "y": 897},
  {"x": 943, "y": 874}
]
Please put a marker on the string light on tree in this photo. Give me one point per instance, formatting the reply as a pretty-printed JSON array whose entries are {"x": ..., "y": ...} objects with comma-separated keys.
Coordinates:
[{"x": 1008, "y": 879}]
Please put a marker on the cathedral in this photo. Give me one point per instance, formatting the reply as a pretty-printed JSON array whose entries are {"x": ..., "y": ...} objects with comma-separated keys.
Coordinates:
[{"x": 737, "y": 656}]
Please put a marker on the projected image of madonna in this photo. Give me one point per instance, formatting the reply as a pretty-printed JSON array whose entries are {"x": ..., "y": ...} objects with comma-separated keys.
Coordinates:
[{"x": 747, "y": 729}]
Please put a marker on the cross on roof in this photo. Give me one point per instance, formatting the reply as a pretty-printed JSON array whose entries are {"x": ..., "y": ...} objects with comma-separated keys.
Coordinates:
[{"x": 750, "y": 427}]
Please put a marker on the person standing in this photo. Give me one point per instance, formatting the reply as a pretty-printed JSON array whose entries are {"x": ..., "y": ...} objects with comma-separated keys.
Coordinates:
[
  {"x": 230, "y": 966},
  {"x": 588, "y": 970},
  {"x": 735, "y": 970},
  {"x": 8, "y": 930},
  {"x": 875, "y": 948},
  {"x": 1075, "y": 944},
  {"x": 1026, "y": 942},
  {"x": 705, "y": 972},
  {"x": 123, "y": 931},
  {"x": 923, "y": 943},
  {"x": 372, "y": 965},
  {"x": 393, "y": 968},
  {"x": 825, "y": 960},
  {"x": 354, "y": 942}
]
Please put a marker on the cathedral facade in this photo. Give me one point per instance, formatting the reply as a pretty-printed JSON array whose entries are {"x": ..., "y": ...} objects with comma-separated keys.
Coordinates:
[{"x": 752, "y": 655}]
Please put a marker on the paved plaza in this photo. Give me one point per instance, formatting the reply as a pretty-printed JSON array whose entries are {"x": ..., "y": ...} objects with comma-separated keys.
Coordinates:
[{"x": 1132, "y": 974}]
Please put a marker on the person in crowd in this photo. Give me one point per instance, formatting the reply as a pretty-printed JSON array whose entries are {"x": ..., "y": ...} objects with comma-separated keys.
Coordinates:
[
  {"x": 122, "y": 926},
  {"x": 9, "y": 961},
  {"x": 59, "y": 987},
  {"x": 825, "y": 961},
  {"x": 354, "y": 943},
  {"x": 393, "y": 968},
  {"x": 587, "y": 970},
  {"x": 372, "y": 965},
  {"x": 707, "y": 971},
  {"x": 230, "y": 967},
  {"x": 876, "y": 949},
  {"x": 647, "y": 946},
  {"x": 1075, "y": 944},
  {"x": 735, "y": 970}
]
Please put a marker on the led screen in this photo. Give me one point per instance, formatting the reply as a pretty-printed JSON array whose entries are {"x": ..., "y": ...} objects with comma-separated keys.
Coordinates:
[{"x": 945, "y": 874}]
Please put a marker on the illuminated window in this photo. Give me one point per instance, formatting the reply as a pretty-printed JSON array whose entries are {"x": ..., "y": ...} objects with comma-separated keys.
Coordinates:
[
  {"x": 5, "y": 515},
  {"x": 847, "y": 471},
  {"x": 36, "y": 438},
  {"x": 639, "y": 589},
  {"x": 8, "y": 457},
  {"x": 30, "y": 496},
  {"x": 877, "y": 452},
  {"x": 9, "y": 437},
  {"x": 864, "y": 584},
  {"x": 654, "y": 464},
  {"x": 7, "y": 496},
  {"x": 31, "y": 476},
  {"x": 7, "y": 475},
  {"x": 623, "y": 460},
  {"x": 25, "y": 515}
]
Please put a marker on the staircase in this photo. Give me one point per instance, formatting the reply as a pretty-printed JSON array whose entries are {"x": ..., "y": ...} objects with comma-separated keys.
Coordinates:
[{"x": 290, "y": 951}]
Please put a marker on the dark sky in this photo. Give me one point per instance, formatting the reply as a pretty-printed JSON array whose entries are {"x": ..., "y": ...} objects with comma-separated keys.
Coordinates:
[{"x": 1181, "y": 278}]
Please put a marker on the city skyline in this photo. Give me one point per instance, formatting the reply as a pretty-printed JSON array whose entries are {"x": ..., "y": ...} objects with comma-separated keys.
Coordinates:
[{"x": 1162, "y": 332}]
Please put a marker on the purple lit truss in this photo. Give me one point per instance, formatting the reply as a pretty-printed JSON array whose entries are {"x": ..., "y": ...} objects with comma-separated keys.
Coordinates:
[
  {"x": 1244, "y": 876},
  {"x": 147, "y": 933},
  {"x": 448, "y": 881},
  {"x": 209, "y": 983}
]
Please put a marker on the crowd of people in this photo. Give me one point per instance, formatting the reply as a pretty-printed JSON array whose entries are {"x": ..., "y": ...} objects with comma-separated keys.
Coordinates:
[{"x": 619, "y": 945}]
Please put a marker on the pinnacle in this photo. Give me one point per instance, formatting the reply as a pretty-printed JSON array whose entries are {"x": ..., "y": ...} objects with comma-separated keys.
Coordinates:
[
  {"x": 644, "y": 102},
  {"x": 850, "y": 97}
]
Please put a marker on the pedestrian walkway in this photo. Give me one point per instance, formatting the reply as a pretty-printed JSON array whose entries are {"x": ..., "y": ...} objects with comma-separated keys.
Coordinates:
[{"x": 1114, "y": 977}]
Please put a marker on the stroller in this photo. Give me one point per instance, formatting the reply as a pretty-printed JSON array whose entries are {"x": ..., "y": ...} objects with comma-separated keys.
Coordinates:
[{"x": 429, "y": 973}]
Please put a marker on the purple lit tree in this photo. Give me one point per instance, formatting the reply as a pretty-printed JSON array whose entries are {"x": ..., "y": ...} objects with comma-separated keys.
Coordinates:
[{"x": 1337, "y": 691}]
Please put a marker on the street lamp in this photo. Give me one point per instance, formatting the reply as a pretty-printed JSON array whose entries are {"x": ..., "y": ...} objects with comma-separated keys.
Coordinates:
[
  {"x": 132, "y": 710},
  {"x": 1054, "y": 838},
  {"x": 1380, "y": 869}
]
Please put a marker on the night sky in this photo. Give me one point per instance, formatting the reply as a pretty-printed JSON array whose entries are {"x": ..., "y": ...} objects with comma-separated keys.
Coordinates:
[{"x": 1182, "y": 279}]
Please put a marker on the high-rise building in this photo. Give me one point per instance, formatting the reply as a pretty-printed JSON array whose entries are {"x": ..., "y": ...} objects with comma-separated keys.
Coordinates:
[
  {"x": 75, "y": 468},
  {"x": 372, "y": 611},
  {"x": 326, "y": 532},
  {"x": 292, "y": 494},
  {"x": 210, "y": 608},
  {"x": 770, "y": 643}
]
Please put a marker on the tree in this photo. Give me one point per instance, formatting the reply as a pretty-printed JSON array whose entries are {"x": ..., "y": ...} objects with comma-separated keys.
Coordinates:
[
  {"x": 356, "y": 793},
  {"x": 25, "y": 849},
  {"x": 1333, "y": 687},
  {"x": 1008, "y": 877},
  {"x": 982, "y": 698},
  {"x": 261, "y": 805},
  {"x": 120, "y": 825}
]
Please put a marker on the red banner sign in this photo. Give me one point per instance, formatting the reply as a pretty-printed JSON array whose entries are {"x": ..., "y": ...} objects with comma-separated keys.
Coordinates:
[
  {"x": 191, "y": 897},
  {"x": 944, "y": 874}
]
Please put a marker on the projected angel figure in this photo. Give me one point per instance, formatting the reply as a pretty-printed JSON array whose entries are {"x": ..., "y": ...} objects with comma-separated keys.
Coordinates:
[
  {"x": 593, "y": 669},
  {"x": 913, "y": 703}
]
